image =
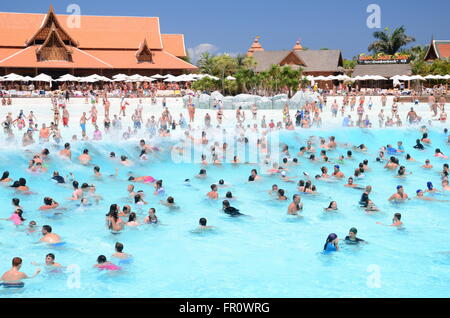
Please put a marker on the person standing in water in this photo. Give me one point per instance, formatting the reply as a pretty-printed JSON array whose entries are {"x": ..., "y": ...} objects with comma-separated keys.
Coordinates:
[{"x": 13, "y": 278}]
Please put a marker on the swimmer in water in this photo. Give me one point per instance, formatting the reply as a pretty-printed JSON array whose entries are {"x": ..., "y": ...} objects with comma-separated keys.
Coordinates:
[
  {"x": 130, "y": 189},
  {"x": 396, "y": 221},
  {"x": 151, "y": 218},
  {"x": 351, "y": 239},
  {"x": 50, "y": 263},
  {"x": 371, "y": 207},
  {"x": 16, "y": 217},
  {"x": 431, "y": 188},
  {"x": 332, "y": 207},
  {"x": 281, "y": 196},
  {"x": 66, "y": 152},
  {"x": 77, "y": 193},
  {"x": 132, "y": 220},
  {"x": 202, "y": 174},
  {"x": 287, "y": 179},
  {"x": 400, "y": 196},
  {"x": 365, "y": 197},
  {"x": 338, "y": 173},
  {"x": 13, "y": 278},
  {"x": 49, "y": 204},
  {"x": 332, "y": 243},
  {"x": 296, "y": 206},
  {"x": 438, "y": 154},
  {"x": 254, "y": 176},
  {"x": 103, "y": 264},
  {"x": 48, "y": 236},
  {"x": 139, "y": 198},
  {"x": 274, "y": 190},
  {"x": 228, "y": 209},
  {"x": 170, "y": 203},
  {"x": 125, "y": 162},
  {"x": 421, "y": 196},
  {"x": 146, "y": 179},
  {"x": 114, "y": 222},
  {"x": 97, "y": 172},
  {"x": 352, "y": 185},
  {"x": 445, "y": 186},
  {"x": 5, "y": 178},
  {"x": 84, "y": 158},
  {"x": 427, "y": 165},
  {"x": 119, "y": 254},
  {"x": 203, "y": 225},
  {"x": 213, "y": 194}
]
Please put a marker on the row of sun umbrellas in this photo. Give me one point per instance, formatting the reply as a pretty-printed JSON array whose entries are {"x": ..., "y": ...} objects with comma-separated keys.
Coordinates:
[
  {"x": 116, "y": 78},
  {"x": 378, "y": 78}
]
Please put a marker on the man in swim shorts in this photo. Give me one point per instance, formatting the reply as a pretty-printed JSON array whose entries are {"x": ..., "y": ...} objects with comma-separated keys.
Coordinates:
[
  {"x": 13, "y": 278},
  {"x": 49, "y": 237}
]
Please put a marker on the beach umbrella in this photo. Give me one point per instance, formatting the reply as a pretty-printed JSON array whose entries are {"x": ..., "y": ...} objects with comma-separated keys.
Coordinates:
[
  {"x": 87, "y": 79},
  {"x": 27, "y": 79},
  {"x": 13, "y": 78},
  {"x": 136, "y": 78},
  {"x": 231, "y": 78},
  {"x": 447, "y": 77},
  {"x": 68, "y": 78},
  {"x": 417, "y": 77},
  {"x": 212, "y": 77},
  {"x": 148, "y": 79},
  {"x": 105, "y": 79},
  {"x": 43, "y": 78},
  {"x": 119, "y": 75},
  {"x": 186, "y": 78},
  {"x": 157, "y": 76},
  {"x": 171, "y": 78},
  {"x": 95, "y": 78},
  {"x": 120, "y": 78},
  {"x": 400, "y": 78},
  {"x": 343, "y": 78},
  {"x": 378, "y": 78},
  {"x": 430, "y": 77},
  {"x": 320, "y": 78}
]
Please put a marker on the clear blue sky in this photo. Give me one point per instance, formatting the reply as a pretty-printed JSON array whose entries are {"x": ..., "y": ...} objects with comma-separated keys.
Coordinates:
[{"x": 230, "y": 26}]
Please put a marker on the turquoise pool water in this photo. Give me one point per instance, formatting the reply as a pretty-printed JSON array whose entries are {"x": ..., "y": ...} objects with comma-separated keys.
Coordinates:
[{"x": 267, "y": 254}]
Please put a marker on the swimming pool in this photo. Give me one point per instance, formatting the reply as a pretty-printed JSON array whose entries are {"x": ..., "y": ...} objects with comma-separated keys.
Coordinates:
[{"x": 267, "y": 254}]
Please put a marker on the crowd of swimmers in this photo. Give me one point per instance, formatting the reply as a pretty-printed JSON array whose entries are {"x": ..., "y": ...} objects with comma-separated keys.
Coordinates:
[{"x": 118, "y": 218}]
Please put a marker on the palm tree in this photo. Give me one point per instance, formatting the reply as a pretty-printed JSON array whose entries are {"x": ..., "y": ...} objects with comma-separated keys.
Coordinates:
[
  {"x": 390, "y": 43},
  {"x": 206, "y": 63}
]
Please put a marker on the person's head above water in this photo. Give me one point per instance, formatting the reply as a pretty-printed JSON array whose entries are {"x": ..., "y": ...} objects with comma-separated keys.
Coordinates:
[
  {"x": 101, "y": 259},
  {"x": 203, "y": 222},
  {"x": 330, "y": 239},
  {"x": 46, "y": 229},
  {"x": 17, "y": 262}
]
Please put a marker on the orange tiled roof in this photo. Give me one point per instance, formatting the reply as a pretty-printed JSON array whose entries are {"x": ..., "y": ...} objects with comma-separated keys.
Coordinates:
[
  {"x": 174, "y": 44},
  {"x": 444, "y": 50},
  {"x": 92, "y": 59},
  {"x": 127, "y": 59},
  {"x": 26, "y": 58},
  {"x": 101, "y": 32}
]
